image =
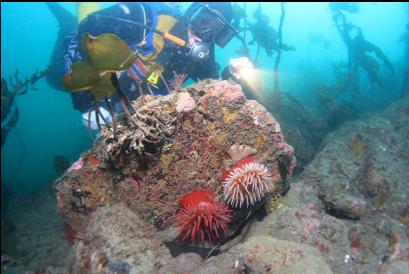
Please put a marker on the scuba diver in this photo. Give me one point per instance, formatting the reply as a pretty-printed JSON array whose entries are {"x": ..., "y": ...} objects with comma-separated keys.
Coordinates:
[
  {"x": 170, "y": 47},
  {"x": 264, "y": 35}
]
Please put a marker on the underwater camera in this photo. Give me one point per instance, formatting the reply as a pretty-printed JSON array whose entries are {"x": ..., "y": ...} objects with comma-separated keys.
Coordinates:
[{"x": 199, "y": 52}]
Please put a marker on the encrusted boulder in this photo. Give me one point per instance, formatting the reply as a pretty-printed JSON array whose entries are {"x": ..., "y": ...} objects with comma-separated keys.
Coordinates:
[{"x": 207, "y": 140}]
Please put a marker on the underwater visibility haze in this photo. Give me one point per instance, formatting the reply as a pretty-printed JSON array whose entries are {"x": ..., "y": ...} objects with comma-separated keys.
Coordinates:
[{"x": 231, "y": 137}]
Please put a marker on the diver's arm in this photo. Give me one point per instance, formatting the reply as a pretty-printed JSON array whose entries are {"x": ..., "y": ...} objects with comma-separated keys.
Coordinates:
[
  {"x": 82, "y": 101},
  {"x": 67, "y": 24}
]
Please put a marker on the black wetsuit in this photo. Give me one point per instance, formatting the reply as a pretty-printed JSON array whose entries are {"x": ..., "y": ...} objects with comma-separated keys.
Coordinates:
[{"x": 173, "y": 58}]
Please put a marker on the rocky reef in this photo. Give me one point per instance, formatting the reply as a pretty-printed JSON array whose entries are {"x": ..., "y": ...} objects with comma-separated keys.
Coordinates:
[
  {"x": 347, "y": 212},
  {"x": 351, "y": 202}
]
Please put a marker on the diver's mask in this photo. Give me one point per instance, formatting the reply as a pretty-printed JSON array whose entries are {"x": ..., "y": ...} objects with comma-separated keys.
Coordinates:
[{"x": 209, "y": 25}]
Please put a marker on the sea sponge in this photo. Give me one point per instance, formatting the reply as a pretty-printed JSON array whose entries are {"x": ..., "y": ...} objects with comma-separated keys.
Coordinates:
[{"x": 185, "y": 102}]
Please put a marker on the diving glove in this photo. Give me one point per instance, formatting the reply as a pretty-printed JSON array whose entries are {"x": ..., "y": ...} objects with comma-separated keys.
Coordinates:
[{"x": 90, "y": 118}]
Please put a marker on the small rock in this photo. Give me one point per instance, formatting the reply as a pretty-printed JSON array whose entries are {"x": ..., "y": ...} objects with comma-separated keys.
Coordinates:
[
  {"x": 263, "y": 254},
  {"x": 188, "y": 262}
]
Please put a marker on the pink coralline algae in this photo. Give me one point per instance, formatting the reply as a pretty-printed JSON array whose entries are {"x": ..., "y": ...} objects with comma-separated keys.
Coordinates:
[
  {"x": 230, "y": 92},
  {"x": 356, "y": 246},
  {"x": 292, "y": 163},
  {"x": 310, "y": 227},
  {"x": 185, "y": 102},
  {"x": 134, "y": 183},
  {"x": 224, "y": 91},
  {"x": 308, "y": 213},
  {"x": 356, "y": 204},
  {"x": 77, "y": 165},
  {"x": 287, "y": 156}
]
